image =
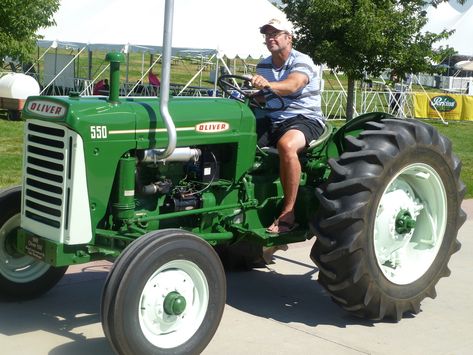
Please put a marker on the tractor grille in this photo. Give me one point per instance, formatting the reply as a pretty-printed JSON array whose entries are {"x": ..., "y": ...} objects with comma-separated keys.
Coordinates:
[
  {"x": 55, "y": 201},
  {"x": 46, "y": 169}
]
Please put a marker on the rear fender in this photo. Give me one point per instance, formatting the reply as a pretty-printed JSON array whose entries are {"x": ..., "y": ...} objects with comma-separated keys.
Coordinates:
[{"x": 353, "y": 128}]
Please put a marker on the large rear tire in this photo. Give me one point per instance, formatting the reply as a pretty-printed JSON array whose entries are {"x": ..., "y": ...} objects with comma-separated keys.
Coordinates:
[
  {"x": 165, "y": 295},
  {"x": 389, "y": 217},
  {"x": 21, "y": 277}
]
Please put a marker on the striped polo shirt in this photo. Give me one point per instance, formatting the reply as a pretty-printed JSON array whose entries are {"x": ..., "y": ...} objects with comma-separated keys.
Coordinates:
[{"x": 307, "y": 101}]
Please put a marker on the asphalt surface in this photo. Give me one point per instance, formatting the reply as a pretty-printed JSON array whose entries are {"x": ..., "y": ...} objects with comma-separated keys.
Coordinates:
[{"x": 276, "y": 310}]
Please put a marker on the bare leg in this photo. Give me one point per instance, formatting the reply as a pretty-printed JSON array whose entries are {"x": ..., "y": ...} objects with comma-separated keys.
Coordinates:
[{"x": 290, "y": 172}]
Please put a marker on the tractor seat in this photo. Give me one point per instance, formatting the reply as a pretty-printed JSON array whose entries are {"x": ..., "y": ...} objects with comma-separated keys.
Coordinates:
[{"x": 328, "y": 129}]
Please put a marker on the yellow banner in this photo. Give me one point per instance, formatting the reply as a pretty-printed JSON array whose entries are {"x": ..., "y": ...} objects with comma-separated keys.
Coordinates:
[
  {"x": 467, "y": 112},
  {"x": 421, "y": 101},
  {"x": 446, "y": 106}
]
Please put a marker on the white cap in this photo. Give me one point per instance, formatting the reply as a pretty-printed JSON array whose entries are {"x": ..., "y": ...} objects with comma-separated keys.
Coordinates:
[{"x": 278, "y": 24}]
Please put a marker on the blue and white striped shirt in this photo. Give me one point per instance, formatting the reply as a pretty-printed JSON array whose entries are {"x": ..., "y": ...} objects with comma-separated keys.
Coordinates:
[{"x": 307, "y": 101}]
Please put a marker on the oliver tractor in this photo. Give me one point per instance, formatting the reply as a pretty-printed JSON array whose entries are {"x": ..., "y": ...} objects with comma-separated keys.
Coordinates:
[{"x": 169, "y": 188}]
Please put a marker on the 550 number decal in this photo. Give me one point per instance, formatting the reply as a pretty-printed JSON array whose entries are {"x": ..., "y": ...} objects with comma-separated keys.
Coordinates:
[{"x": 98, "y": 132}]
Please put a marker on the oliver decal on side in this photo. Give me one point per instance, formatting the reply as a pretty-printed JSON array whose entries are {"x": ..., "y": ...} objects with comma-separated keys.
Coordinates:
[
  {"x": 46, "y": 108},
  {"x": 212, "y": 127},
  {"x": 443, "y": 103}
]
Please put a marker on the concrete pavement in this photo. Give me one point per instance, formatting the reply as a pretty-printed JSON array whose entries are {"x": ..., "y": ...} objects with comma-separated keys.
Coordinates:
[{"x": 277, "y": 310}]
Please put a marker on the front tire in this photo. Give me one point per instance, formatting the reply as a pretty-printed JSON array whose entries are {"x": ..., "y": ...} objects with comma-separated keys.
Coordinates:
[
  {"x": 21, "y": 277},
  {"x": 389, "y": 217},
  {"x": 165, "y": 294}
]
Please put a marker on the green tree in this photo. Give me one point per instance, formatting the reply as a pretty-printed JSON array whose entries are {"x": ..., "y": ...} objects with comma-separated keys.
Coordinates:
[
  {"x": 365, "y": 36},
  {"x": 20, "y": 20}
]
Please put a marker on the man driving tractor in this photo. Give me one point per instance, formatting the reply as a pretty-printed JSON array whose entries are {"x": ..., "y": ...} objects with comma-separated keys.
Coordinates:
[{"x": 293, "y": 76}]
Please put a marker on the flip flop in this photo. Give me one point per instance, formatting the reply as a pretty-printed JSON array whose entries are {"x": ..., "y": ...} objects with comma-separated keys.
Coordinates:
[{"x": 288, "y": 226}]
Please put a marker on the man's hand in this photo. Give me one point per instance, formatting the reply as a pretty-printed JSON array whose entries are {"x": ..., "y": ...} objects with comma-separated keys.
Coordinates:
[{"x": 259, "y": 82}]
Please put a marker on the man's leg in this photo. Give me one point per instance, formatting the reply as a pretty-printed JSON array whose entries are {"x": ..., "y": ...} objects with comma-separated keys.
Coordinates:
[{"x": 290, "y": 172}]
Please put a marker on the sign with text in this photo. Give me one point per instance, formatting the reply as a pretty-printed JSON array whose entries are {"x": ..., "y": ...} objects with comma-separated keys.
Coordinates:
[{"x": 446, "y": 106}]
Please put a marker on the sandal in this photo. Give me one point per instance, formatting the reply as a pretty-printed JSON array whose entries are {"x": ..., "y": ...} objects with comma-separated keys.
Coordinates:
[{"x": 286, "y": 226}]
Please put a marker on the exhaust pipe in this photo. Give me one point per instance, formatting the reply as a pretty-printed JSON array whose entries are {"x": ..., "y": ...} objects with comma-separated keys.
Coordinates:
[
  {"x": 166, "y": 78},
  {"x": 184, "y": 154}
]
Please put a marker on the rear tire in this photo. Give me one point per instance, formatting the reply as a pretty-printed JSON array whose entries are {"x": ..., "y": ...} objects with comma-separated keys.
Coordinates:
[
  {"x": 389, "y": 217},
  {"x": 21, "y": 277},
  {"x": 165, "y": 294}
]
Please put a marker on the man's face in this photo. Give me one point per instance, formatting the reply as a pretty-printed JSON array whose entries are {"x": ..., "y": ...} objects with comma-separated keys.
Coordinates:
[{"x": 277, "y": 41}]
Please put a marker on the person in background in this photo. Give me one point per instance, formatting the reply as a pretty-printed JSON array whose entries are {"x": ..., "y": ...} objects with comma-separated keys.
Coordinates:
[
  {"x": 293, "y": 76},
  {"x": 98, "y": 87}
]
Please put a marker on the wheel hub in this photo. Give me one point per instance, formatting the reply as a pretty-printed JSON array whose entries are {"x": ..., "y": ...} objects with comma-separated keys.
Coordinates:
[
  {"x": 397, "y": 211},
  {"x": 174, "y": 304},
  {"x": 404, "y": 222}
]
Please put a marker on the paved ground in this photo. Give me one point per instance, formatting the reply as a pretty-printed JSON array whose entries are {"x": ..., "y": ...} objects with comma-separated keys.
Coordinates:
[{"x": 279, "y": 310}]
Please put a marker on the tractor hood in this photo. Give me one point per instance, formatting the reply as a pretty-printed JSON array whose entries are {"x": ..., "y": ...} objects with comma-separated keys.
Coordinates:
[
  {"x": 197, "y": 120},
  {"x": 92, "y": 134}
]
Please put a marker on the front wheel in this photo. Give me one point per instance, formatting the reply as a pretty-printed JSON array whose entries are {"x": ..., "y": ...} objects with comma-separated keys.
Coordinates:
[
  {"x": 21, "y": 276},
  {"x": 389, "y": 217},
  {"x": 165, "y": 295}
]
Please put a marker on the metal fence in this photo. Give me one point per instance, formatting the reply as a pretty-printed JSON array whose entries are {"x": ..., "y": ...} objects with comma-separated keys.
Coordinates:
[{"x": 399, "y": 104}]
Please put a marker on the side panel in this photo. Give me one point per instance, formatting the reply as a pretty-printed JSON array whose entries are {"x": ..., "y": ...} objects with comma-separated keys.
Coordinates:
[
  {"x": 103, "y": 151},
  {"x": 80, "y": 229}
]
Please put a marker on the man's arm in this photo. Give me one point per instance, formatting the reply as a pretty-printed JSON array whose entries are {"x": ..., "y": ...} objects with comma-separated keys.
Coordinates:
[{"x": 292, "y": 84}]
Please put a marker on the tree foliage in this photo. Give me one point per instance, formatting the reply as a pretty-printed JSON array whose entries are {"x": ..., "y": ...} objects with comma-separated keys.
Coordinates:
[
  {"x": 20, "y": 20},
  {"x": 361, "y": 36},
  {"x": 365, "y": 36}
]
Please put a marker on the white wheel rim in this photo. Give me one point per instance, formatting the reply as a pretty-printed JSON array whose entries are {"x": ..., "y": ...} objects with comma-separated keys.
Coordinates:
[
  {"x": 404, "y": 257},
  {"x": 18, "y": 269},
  {"x": 169, "y": 331}
]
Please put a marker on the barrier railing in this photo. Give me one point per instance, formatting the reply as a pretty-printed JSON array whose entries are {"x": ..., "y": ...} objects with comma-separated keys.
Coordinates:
[
  {"x": 396, "y": 103},
  {"x": 333, "y": 101}
]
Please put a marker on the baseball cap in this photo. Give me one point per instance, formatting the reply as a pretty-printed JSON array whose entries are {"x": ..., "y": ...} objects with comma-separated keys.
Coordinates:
[{"x": 278, "y": 24}]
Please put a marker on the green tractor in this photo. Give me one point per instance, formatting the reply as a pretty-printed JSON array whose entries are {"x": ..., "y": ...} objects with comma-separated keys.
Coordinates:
[{"x": 169, "y": 188}]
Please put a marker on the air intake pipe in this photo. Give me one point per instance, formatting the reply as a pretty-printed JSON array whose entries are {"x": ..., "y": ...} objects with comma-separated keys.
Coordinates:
[{"x": 115, "y": 59}]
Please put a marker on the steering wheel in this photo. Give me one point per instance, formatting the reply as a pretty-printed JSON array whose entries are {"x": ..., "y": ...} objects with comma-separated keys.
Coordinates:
[{"x": 228, "y": 86}]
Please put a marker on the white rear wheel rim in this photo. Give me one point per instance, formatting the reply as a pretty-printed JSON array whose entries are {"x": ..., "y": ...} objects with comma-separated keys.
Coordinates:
[{"x": 417, "y": 190}]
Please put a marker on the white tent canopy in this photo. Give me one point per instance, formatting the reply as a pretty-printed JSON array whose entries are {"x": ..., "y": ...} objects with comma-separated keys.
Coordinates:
[
  {"x": 466, "y": 65},
  {"x": 453, "y": 16},
  {"x": 230, "y": 28}
]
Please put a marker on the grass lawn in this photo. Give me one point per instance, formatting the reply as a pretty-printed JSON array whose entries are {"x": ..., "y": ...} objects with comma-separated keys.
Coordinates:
[
  {"x": 11, "y": 138},
  {"x": 460, "y": 133}
]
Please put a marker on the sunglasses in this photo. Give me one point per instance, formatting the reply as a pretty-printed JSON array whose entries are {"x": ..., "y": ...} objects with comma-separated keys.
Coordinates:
[{"x": 273, "y": 34}]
